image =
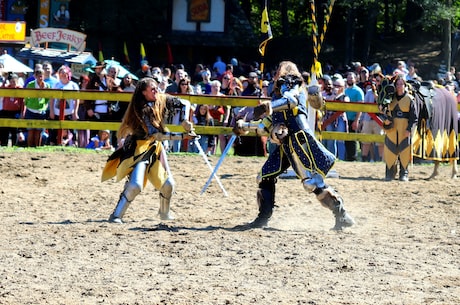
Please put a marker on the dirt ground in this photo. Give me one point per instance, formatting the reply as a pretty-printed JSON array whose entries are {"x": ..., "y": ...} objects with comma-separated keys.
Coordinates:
[{"x": 58, "y": 248}]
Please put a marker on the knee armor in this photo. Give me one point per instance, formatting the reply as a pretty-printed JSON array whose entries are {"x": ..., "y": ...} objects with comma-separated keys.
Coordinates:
[{"x": 313, "y": 182}]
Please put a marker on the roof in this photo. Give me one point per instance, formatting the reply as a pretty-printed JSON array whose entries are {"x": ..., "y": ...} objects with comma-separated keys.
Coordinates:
[{"x": 56, "y": 56}]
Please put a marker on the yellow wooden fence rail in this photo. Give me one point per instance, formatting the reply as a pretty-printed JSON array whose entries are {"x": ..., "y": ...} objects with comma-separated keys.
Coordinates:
[{"x": 194, "y": 99}]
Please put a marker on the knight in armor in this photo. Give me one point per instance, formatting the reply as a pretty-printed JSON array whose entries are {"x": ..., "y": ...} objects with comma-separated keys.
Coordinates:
[
  {"x": 285, "y": 122},
  {"x": 142, "y": 156},
  {"x": 401, "y": 116}
]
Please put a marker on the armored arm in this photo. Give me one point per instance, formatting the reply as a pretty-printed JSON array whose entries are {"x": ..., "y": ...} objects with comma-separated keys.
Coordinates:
[
  {"x": 261, "y": 127},
  {"x": 174, "y": 103},
  {"x": 159, "y": 135},
  {"x": 289, "y": 100}
]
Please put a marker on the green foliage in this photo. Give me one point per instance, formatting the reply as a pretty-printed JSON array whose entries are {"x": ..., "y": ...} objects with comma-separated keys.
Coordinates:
[{"x": 299, "y": 21}]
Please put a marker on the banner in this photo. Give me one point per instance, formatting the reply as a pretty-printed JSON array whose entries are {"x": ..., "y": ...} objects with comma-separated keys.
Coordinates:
[
  {"x": 143, "y": 55},
  {"x": 12, "y": 32},
  {"x": 125, "y": 52},
  {"x": 265, "y": 29},
  {"x": 100, "y": 55},
  {"x": 42, "y": 35}
]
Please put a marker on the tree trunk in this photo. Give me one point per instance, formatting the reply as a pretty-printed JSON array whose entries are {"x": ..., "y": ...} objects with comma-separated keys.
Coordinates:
[
  {"x": 350, "y": 40},
  {"x": 448, "y": 39},
  {"x": 284, "y": 18}
]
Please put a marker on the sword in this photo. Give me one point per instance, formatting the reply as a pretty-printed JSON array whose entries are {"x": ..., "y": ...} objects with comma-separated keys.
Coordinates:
[
  {"x": 222, "y": 157},
  {"x": 206, "y": 160}
]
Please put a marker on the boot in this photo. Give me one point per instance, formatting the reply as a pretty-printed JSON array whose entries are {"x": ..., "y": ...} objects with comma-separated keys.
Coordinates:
[
  {"x": 332, "y": 200},
  {"x": 166, "y": 192},
  {"x": 164, "y": 208},
  {"x": 120, "y": 209},
  {"x": 403, "y": 174},
  {"x": 390, "y": 173},
  {"x": 266, "y": 202}
]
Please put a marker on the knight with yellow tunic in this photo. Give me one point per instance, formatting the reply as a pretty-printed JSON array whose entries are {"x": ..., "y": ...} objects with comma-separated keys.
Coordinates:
[
  {"x": 142, "y": 157},
  {"x": 401, "y": 118}
]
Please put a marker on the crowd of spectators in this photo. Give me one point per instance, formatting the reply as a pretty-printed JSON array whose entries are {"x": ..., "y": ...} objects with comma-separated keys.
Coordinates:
[
  {"x": 361, "y": 85},
  {"x": 356, "y": 82}
]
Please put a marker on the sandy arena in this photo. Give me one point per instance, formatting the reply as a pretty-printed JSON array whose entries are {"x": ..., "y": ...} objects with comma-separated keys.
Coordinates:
[{"x": 58, "y": 248}]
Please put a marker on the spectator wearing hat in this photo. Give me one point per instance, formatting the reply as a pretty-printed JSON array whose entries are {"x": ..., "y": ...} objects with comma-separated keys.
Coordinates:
[
  {"x": 363, "y": 78},
  {"x": 252, "y": 88},
  {"x": 265, "y": 91},
  {"x": 356, "y": 66},
  {"x": 101, "y": 141},
  {"x": 99, "y": 110},
  {"x": 144, "y": 71},
  {"x": 401, "y": 69},
  {"x": 336, "y": 122}
]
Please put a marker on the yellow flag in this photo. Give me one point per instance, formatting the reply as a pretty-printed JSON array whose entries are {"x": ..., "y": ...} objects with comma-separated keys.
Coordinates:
[
  {"x": 101, "y": 56},
  {"x": 125, "y": 52},
  {"x": 143, "y": 55},
  {"x": 265, "y": 29}
]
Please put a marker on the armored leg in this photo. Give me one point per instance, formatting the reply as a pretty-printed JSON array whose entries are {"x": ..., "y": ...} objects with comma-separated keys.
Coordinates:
[
  {"x": 266, "y": 202},
  {"x": 403, "y": 174},
  {"x": 126, "y": 197},
  {"x": 390, "y": 173},
  {"x": 330, "y": 199},
  {"x": 166, "y": 192},
  {"x": 132, "y": 188}
]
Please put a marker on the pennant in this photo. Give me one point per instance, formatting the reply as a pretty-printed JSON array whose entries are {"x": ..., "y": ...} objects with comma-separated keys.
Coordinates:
[
  {"x": 101, "y": 56},
  {"x": 170, "y": 55},
  {"x": 265, "y": 29},
  {"x": 125, "y": 52},
  {"x": 143, "y": 55}
]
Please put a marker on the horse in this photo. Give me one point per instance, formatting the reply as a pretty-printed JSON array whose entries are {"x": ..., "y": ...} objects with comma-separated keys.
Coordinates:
[{"x": 436, "y": 134}]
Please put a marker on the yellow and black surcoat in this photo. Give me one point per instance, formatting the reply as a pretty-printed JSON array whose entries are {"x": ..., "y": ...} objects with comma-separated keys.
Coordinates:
[{"x": 397, "y": 144}]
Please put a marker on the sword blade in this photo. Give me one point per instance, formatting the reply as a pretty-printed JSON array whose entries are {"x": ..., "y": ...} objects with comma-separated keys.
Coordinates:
[
  {"x": 206, "y": 160},
  {"x": 219, "y": 163}
]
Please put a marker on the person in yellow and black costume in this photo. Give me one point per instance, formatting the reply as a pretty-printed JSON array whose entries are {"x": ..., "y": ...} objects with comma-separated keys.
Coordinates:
[
  {"x": 401, "y": 116},
  {"x": 142, "y": 156}
]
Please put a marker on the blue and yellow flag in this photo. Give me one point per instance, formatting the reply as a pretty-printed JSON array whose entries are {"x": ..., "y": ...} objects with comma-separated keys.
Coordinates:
[{"x": 265, "y": 29}]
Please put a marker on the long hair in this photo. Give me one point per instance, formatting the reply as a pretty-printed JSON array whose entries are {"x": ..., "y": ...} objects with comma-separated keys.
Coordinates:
[
  {"x": 138, "y": 107},
  {"x": 285, "y": 68}
]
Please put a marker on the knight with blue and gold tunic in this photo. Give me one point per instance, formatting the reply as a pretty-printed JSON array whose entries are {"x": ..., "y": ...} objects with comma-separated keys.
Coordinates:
[{"x": 288, "y": 128}]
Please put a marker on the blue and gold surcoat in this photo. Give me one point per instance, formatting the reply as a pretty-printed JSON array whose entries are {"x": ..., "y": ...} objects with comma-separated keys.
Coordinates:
[{"x": 300, "y": 144}]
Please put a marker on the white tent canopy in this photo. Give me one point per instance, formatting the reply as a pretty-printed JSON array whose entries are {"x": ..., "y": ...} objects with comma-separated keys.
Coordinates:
[{"x": 11, "y": 64}]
